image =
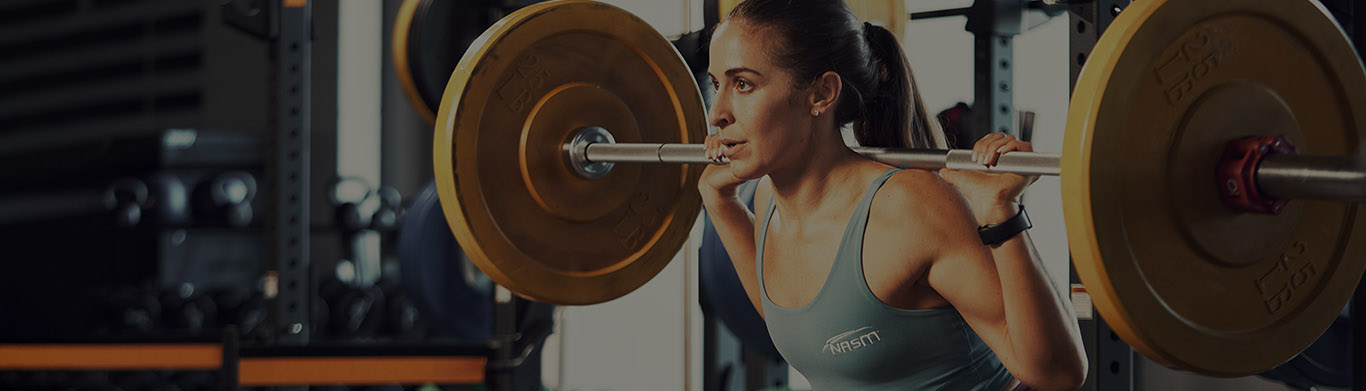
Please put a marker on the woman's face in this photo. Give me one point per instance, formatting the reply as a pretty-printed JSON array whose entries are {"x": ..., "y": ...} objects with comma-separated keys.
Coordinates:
[{"x": 763, "y": 120}]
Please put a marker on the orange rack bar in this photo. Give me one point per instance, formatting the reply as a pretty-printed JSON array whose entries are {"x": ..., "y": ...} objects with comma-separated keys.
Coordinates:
[
  {"x": 252, "y": 371},
  {"x": 111, "y": 356},
  {"x": 360, "y": 370}
]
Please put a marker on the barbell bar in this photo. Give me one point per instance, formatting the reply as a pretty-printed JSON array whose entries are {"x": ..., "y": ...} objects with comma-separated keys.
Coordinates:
[{"x": 1280, "y": 176}]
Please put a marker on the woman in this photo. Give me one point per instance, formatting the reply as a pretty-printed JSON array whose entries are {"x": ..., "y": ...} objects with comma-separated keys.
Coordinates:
[{"x": 869, "y": 277}]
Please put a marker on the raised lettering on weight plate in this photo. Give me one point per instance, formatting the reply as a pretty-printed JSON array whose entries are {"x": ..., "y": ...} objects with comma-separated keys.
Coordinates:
[
  {"x": 528, "y": 75},
  {"x": 1197, "y": 57},
  {"x": 1279, "y": 285},
  {"x": 631, "y": 230}
]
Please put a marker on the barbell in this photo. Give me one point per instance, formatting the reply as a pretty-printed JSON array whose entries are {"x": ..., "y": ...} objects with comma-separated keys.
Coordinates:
[
  {"x": 1192, "y": 126},
  {"x": 1278, "y": 176}
]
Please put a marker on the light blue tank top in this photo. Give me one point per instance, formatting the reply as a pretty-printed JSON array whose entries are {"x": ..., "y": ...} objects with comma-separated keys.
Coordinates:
[{"x": 846, "y": 339}]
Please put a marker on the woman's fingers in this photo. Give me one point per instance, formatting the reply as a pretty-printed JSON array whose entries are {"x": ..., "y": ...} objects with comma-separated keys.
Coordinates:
[
  {"x": 1006, "y": 144},
  {"x": 979, "y": 150},
  {"x": 713, "y": 144},
  {"x": 989, "y": 149}
]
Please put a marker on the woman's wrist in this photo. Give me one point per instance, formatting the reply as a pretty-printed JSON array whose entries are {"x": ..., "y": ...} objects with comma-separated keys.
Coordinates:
[
  {"x": 997, "y": 212},
  {"x": 712, "y": 196}
]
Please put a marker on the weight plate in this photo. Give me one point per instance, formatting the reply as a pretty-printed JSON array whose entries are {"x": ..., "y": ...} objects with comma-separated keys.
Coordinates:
[
  {"x": 1183, "y": 279},
  {"x": 450, "y": 294},
  {"x": 517, "y": 208},
  {"x": 1328, "y": 362},
  {"x": 429, "y": 36}
]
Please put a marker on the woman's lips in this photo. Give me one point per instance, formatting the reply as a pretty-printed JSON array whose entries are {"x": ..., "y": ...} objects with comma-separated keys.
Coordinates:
[{"x": 729, "y": 148}]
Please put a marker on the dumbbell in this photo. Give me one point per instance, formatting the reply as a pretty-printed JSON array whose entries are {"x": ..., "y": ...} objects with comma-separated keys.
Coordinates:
[
  {"x": 400, "y": 315},
  {"x": 130, "y": 309},
  {"x": 352, "y": 311},
  {"x": 226, "y": 198},
  {"x": 167, "y": 202},
  {"x": 347, "y": 196},
  {"x": 124, "y": 199},
  {"x": 240, "y": 307},
  {"x": 386, "y": 218},
  {"x": 184, "y": 309}
]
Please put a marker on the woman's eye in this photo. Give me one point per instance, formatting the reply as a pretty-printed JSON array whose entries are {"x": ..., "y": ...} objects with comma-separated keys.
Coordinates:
[
  {"x": 715, "y": 86},
  {"x": 743, "y": 86}
]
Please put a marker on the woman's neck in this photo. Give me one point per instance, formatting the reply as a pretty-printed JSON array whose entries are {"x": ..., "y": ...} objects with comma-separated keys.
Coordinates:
[{"x": 817, "y": 178}]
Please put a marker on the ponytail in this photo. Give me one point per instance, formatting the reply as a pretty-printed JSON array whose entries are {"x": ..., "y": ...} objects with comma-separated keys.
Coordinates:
[
  {"x": 894, "y": 115},
  {"x": 882, "y": 100}
]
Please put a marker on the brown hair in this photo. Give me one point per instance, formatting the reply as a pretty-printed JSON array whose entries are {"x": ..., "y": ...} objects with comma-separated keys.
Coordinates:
[{"x": 881, "y": 100}]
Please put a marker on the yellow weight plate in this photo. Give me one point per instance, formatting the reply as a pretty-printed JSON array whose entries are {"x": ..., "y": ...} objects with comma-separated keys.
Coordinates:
[
  {"x": 513, "y": 202},
  {"x": 1180, "y": 277},
  {"x": 402, "y": 28},
  {"x": 725, "y": 6},
  {"x": 428, "y": 38}
]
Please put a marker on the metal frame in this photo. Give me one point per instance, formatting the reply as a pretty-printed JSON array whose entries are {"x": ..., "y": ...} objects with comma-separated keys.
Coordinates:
[
  {"x": 994, "y": 24},
  {"x": 520, "y": 328},
  {"x": 290, "y": 235},
  {"x": 1356, "y": 27},
  {"x": 1111, "y": 360},
  {"x": 1358, "y": 313}
]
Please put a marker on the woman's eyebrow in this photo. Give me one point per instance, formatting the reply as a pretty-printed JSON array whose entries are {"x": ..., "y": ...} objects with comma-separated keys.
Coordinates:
[{"x": 733, "y": 71}]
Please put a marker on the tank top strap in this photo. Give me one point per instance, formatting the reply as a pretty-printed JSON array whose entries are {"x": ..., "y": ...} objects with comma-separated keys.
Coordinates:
[
  {"x": 759, "y": 249},
  {"x": 851, "y": 245},
  {"x": 865, "y": 204}
]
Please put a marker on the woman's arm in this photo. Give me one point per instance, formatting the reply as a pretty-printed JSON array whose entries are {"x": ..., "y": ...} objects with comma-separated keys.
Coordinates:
[
  {"x": 1041, "y": 324},
  {"x": 735, "y": 226},
  {"x": 1004, "y": 294},
  {"x": 1032, "y": 325}
]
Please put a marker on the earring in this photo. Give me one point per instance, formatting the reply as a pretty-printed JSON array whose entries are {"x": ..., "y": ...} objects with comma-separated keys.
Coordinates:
[{"x": 815, "y": 112}]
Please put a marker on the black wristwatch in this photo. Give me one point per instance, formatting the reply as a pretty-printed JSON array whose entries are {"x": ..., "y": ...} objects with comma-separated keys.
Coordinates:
[{"x": 995, "y": 234}]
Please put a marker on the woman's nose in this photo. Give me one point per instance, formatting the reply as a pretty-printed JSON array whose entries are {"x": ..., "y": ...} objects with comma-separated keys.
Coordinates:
[{"x": 719, "y": 113}]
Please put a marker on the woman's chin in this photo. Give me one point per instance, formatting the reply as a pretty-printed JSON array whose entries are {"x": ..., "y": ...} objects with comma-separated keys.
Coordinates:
[{"x": 743, "y": 170}]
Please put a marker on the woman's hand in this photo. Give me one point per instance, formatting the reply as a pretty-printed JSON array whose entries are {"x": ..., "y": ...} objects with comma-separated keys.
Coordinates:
[
  {"x": 994, "y": 198},
  {"x": 717, "y": 179}
]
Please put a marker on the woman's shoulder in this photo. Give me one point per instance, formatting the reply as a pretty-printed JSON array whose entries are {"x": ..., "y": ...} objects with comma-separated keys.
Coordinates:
[
  {"x": 918, "y": 198},
  {"x": 915, "y": 187},
  {"x": 913, "y": 217}
]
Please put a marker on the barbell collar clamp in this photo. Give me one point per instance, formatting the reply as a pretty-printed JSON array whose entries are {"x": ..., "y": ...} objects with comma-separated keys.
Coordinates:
[{"x": 577, "y": 152}]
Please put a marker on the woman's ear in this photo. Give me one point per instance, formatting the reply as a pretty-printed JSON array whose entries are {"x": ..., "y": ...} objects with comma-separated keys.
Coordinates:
[{"x": 825, "y": 92}]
